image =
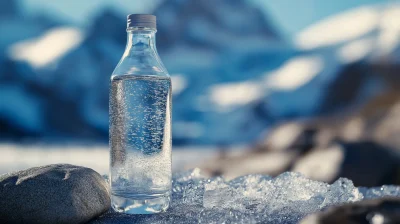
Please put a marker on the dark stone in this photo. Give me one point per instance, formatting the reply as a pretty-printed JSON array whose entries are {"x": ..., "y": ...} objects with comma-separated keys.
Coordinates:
[
  {"x": 59, "y": 193},
  {"x": 387, "y": 210},
  {"x": 350, "y": 80},
  {"x": 369, "y": 164}
]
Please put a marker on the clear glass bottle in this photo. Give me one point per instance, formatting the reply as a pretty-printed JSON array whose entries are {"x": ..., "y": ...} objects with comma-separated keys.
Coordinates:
[{"x": 140, "y": 124}]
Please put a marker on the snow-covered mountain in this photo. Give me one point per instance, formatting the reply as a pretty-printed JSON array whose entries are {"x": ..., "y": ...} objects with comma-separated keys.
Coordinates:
[{"x": 233, "y": 73}]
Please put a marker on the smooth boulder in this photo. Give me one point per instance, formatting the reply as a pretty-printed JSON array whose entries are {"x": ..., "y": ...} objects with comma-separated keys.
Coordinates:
[{"x": 59, "y": 193}]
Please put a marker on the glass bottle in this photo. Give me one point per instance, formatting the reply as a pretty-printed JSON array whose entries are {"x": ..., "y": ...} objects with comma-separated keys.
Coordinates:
[{"x": 140, "y": 124}]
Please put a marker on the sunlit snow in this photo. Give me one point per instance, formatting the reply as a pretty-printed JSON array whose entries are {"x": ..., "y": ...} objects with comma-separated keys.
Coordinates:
[
  {"x": 47, "y": 48},
  {"x": 179, "y": 83},
  {"x": 322, "y": 165},
  {"x": 294, "y": 73},
  {"x": 353, "y": 24},
  {"x": 233, "y": 94},
  {"x": 280, "y": 138},
  {"x": 339, "y": 28},
  {"x": 355, "y": 50},
  {"x": 389, "y": 37}
]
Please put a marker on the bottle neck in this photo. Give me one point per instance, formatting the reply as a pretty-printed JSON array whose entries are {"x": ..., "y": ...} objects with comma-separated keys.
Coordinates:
[{"x": 141, "y": 40}]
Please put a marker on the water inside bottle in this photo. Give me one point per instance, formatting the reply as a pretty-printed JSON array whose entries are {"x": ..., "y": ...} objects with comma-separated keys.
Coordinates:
[{"x": 140, "y": 169}]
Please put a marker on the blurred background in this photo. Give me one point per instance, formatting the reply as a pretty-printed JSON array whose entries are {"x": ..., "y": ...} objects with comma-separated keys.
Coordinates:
[{"x": 258, "y": 86}]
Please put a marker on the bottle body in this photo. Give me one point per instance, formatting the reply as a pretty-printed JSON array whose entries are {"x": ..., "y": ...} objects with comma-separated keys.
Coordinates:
[{"x": 140, "y": 129}]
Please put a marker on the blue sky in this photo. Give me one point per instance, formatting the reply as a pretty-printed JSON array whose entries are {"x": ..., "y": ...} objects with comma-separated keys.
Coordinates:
[
  {"x": 291, "y": 16},
  {"x": 81, "y": 11}
]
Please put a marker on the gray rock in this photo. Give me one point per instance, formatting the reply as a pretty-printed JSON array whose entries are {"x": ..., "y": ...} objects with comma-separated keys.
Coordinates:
[
  {"x": 383, "y": 210},
  {"x": 59, "y": 193}
]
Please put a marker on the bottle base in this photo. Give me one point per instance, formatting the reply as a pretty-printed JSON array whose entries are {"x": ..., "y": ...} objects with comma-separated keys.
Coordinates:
[{"x": 140, "y": 203}]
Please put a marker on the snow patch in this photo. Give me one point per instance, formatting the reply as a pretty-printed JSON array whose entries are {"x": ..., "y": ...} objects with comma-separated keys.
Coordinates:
[
  {"x": 281, "y": 138},
  {"x": 47, "y": 48},
  {"x": 355, "y": 50},
  {"x": 339, "y": 28},
  {"x": 389, "y": 37},
  {"x": 179, "y": 83},
  {"x": 390, "y": 17},
  {"x": 353, "y": 24},
  {"x": 235, "y": 94},
  {"x": 294, "y": 73},
  {"x": 322, "y": 165}
]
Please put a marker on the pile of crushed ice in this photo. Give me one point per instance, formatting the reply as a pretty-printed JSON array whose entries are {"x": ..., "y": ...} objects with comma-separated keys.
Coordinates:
[{"x": 251, "y": 199}]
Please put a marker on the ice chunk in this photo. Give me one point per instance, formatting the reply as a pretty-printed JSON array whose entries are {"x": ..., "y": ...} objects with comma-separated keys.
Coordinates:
[
  {"x": 188, "y": 188},
  {"x": 286, "y": 198},
  {"x": 218, "y": 194},
  {"x": 340, "y": 192}
]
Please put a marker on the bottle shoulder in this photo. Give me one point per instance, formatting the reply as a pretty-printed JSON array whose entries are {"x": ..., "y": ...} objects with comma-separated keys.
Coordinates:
[
  {"x": 144, "y": 65},
  {"x": 139, "y": 76}
]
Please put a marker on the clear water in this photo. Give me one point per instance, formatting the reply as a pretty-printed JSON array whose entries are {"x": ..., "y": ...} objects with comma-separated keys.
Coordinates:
[{"x": 140, "y": 140}]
